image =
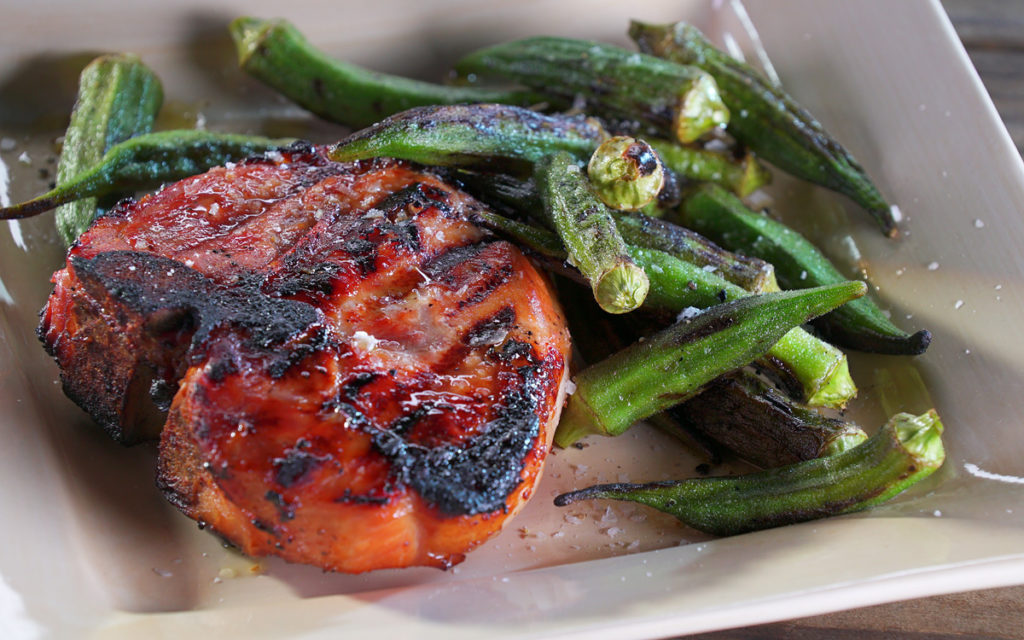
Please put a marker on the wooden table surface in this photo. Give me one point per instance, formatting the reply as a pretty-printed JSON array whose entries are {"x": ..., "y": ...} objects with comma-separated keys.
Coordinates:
[{"x": 993, "y": 33}]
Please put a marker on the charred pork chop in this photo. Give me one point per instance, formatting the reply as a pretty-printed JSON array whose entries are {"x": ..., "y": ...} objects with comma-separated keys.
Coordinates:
[{"x": 357, "y": 376}]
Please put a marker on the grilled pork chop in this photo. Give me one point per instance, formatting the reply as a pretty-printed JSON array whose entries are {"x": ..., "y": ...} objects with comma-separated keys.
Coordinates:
[{"x": 357, "y": 376}]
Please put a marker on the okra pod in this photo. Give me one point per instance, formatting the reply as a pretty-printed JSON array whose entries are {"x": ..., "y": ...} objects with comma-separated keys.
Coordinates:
[
  {"x": 274, "y": 52},
  {"x": 626, "y": 173},
  {"x": 597, "y": 335},
  {"x": 817, "y": 371},
  {"x": 742, "y": 177},
  {"x": 679, "y": 101},
  {"x": 672, "y": 365},
  {"x": 146, "y": 161},
  {"x": 588, "y": 232},
  {"x": 489, "y": 136},
  {"x": 903, "y": 452},
  {"x": 752, "y": 274},
  {"x": 761, "y": 426},
  {"x": 718, "y": 214},
  {"x": 768, "y": 120},
  {"x": 820, "y": 371},
  {"x": 118, "y": 97}
]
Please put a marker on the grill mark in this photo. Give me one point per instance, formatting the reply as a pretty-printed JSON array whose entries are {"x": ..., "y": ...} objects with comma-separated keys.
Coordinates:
[
  {"x": 353, "y": 386},
  {"x": 478, "y": 476},
  {"x": 440, "y": 266},
  {"x": 496, "y": 278},
  {"x": 492, "y": 330}
]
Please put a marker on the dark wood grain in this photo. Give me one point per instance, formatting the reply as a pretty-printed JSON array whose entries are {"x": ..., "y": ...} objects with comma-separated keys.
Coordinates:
[{"x": 993, "y": 34}]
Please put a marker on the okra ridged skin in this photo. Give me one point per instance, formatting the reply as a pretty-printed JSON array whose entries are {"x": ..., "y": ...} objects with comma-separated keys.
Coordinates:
[
  {"x": 768, "y": 120},
  {"x": 903, "y": 452},
  {"x": 274, "y": 52},
  {"x": 752, "y": 274},
  {"x": 147, "y": 161},
  {"x": 679, "y": 101},
  {"x": 861, "y": 325},
  {"x": 819, "y": 370},
  {"x": 673, "y": 364},
  {"x": 494, "y": 137},
  {"x": 700, "y": 165},
  {"x": 118, "y": 97},
  {"x": 588, "y": 231}
]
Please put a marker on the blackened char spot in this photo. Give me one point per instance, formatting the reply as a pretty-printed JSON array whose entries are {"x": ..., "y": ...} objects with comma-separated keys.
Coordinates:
[
  {"x": 356, "y": 383},
  {"x": 294, "y": 465},
  {"x": 155, "y": 287},
  {"x": 414, "y": 199},
  {"x": 363, "y": 252},
  {"x": 440, "y": 266},
  {"x": 361, "y": 498},
  {"x": 643, "y": 156},
  {"x": 492, "y": 330},
  {"x": 479, "y": 476}
]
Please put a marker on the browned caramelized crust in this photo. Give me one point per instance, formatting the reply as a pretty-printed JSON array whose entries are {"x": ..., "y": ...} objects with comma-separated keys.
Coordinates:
[{"x": 357, "y": 376}]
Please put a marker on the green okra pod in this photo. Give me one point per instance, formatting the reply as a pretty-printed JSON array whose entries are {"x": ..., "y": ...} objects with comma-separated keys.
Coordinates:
[
  {"x": 274, "y": 52},
  {"x": 768, "y": 120},
  {"x": 588, "y": 232},
  {"x": 118, "y": 97},
  {"x": 752, "y": 274},
  {"x": 743, "y": 177},
  {"x": 626, "y": 173},
  {"x": 903, "y": 452},
  {"x": 489, "y": 136},
  {"x": 680, "y": 101},
  {"x": 820, "y": 371},
  {"x": 761, "y": 426},
  {"x": 674, "y": 364},
  {"x": 718, "y": 214},
  {"x": 146, "y": 161},
  {"x": 597, "y": 335}
]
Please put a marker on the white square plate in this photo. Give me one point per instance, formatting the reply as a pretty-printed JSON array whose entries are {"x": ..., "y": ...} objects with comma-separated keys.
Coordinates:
[{"x": 91, "y": 550}]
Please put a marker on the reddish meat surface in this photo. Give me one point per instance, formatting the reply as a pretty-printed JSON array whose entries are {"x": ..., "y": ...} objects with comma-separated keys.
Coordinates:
[{"x": 357, "y": 376}]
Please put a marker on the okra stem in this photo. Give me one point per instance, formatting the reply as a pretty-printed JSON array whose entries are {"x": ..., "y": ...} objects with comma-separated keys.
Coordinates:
[
  {"x": 145, "y": 161},
  {"x": 489, "y": 136},
  {"x": 276, "y": 53},
  {"x": 767, "y": 119},
  {"x": 588, "y": 231},
  {"x": 118, "y": 97},
  {"x": 626, "y": 173},
  {"x": 718, "y": 214},
  {"x": 680, "y": 101},
  {"x": 904, "y": 451},
  {"x": 673, "y": 364}
]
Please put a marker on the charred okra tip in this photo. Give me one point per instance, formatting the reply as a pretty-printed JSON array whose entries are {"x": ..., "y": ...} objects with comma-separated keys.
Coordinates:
[
  {"x": 626, "y": 173},
  {"x": 903, "y": 452}
]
